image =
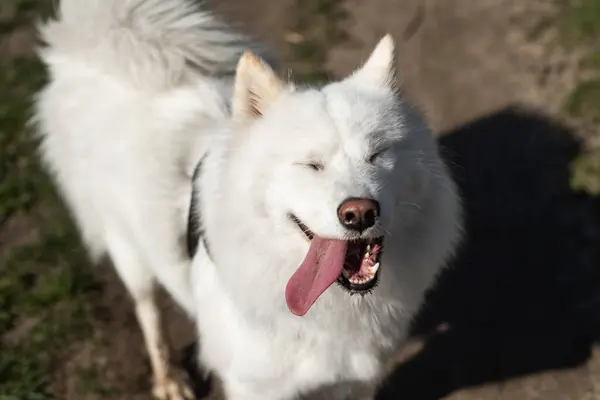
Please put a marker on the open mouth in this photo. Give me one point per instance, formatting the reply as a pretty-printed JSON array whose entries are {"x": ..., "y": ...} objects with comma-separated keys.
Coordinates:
[
  {"x": 361, "y": 263},
  {"x": 361, "y": 269}
]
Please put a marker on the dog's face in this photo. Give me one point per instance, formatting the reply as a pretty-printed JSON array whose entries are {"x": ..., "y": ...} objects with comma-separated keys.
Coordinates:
[{"x": 337, "y": 168}]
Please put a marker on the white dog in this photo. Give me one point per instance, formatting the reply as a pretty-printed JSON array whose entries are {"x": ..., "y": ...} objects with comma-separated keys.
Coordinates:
[{"x": 317, "y": 216}]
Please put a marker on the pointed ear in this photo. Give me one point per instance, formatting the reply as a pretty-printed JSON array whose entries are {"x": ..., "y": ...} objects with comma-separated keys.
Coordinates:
[
  {"x": 256, "y": 87},
  {"x": 380, "y": 68}
]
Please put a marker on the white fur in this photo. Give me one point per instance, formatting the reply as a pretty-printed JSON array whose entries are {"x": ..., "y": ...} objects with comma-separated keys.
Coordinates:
[{"x": 140, "y": 90}]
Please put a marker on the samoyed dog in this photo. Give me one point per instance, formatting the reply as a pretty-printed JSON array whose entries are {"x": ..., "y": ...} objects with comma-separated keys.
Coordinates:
[{"x": 315, "y": 217}]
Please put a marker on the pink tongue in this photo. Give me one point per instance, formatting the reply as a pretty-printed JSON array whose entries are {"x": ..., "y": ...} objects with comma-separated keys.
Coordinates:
[{"x": 321, "y": 267}]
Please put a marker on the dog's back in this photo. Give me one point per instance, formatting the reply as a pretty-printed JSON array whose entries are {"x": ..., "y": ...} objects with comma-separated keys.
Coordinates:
[
  {"x": 130, "y": 81},
  {"x": 135, "y": 89}
]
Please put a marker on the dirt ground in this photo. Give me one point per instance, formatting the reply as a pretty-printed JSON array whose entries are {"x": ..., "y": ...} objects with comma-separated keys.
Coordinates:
[{"x": 522, "y": 299}]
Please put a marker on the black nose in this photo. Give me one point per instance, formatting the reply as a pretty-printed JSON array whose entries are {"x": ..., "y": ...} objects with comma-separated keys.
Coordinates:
[{"x": 358, "y": 214}]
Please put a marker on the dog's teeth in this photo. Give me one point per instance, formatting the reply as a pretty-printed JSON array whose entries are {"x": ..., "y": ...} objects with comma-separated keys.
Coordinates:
[
  {"x": 374, "y": 268},
  {"x": 360, "y": 281},
  {"x": 368, "y": 248},
  {"x": 346, "y": 274},
  {"x": 367, "y": 255}
]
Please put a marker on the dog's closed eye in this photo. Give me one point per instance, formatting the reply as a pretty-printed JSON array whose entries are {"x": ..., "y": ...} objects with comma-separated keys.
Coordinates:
[
  {"x": 314, "y": 165},
  {"x": 373, "y": 157}
]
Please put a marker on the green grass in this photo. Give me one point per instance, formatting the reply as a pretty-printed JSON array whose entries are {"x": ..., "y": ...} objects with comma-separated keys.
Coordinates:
[
  {"x": 584, "y": 100},
  {"x": 586, "y": 172},
  {"x": 45, "y": 282},
  {"x": 17, "y": 147},
  {"x": 91, "y": 380},
  {"x": 318, "y": 27},
  {"x": 591, "y": 61},
  {"x": 580, "y": 27},
  {"x": 580, "y": 24},
  {"x": 577, "y": 21},
  {"x": 581, "y": 20},
  {"x": 21, "y": 12}
]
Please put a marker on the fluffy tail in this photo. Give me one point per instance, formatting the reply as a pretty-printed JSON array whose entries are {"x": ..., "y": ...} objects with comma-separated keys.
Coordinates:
[{"x": 155, "y": 43}]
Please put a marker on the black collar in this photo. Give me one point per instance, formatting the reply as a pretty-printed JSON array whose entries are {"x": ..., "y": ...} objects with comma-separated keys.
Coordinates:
[{"x": 195, "y": 230}]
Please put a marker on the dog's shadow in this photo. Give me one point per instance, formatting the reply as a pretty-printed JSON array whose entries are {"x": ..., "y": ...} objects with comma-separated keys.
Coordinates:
[{"x": 523, "y": 294}]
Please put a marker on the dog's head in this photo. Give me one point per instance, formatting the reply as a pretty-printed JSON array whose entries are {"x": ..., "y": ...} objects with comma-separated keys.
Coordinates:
[{"x": 334, "y": 170}]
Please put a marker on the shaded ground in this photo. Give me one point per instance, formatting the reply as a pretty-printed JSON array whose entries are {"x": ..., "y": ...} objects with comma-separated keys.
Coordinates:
[
  {"x": 523, "y": 296},
  {"x": 522, "y": 300}
]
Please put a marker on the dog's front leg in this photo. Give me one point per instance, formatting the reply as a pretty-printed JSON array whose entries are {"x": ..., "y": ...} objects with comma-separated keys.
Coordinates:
[{"x": 169, "y": 383}]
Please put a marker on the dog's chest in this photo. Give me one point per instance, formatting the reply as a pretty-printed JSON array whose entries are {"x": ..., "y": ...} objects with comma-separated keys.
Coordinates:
[
  {"x": 317, "y": 356},
  {"x": 331, "y": 362}
]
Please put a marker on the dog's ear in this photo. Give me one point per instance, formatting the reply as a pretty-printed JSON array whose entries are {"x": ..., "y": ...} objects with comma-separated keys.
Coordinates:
[
  {"x": 380, "y": 68},
  {"x": 256, "y": 87}
]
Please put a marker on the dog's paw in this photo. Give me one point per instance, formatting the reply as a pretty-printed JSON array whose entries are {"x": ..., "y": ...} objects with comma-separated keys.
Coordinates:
[{"x": 173, "y": 388}]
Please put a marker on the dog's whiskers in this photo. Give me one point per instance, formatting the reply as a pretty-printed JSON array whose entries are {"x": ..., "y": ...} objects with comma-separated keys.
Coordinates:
[{"x": 413, "y": 205}]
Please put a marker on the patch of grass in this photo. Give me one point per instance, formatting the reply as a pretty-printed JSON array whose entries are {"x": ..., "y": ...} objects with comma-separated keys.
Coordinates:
[
  {"x": 315, "y": 31},
  {"x": 584, "y": 100},
  {"x": 18, "y": 12},
  {"x": 580, "y": 27},
  {"x": 586, "y": 172},
  {"x": 591, "y": 61},
  {"x": 91, "y": 380},
  {"x": 44, "y": 293},
  {"x": 45, "y": 284},
  {"x": 18, "y": 161},
  {"x": 582, "y": 20}
]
